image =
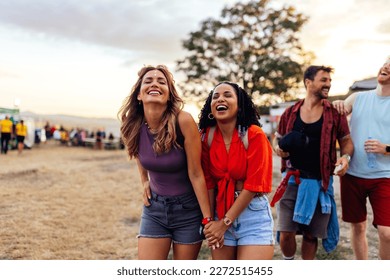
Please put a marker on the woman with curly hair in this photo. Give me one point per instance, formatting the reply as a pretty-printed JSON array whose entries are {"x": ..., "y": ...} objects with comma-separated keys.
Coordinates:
[
  {"x": 166, "y": 144},
  {"x": 237, "y": 163}
]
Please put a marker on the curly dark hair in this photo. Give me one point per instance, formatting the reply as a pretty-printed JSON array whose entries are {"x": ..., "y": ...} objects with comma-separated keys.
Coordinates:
[{"x": 246, "y": 116}]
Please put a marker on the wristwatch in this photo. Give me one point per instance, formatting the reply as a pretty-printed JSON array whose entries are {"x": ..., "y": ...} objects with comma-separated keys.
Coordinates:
[
  {"x": 387, "y": 148},
  {"x": 227, "y": 221},
  {"x": 347, "y": 156}
]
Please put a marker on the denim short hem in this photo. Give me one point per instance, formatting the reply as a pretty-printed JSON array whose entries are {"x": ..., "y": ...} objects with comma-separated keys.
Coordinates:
[
  {"x": 234, "y": 244},
  {"x": 185, "y": 243},
  {"x": 251, "y": 244},
  {"x": 153, "y": 236}
]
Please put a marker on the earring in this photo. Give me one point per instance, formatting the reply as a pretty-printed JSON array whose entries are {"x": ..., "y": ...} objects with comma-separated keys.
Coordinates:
[{"x": 210, "y": 116}]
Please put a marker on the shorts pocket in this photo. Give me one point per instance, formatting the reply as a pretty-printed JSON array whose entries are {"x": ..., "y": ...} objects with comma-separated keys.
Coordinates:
[
  {"x": 258, "y": 203},
  {"x": 190, "y": 205}
]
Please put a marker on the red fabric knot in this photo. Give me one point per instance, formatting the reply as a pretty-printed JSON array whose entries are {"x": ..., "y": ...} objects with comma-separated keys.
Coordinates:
[
  {"x": 225, "y": 196},
  {"x": 283, "y": 185}
]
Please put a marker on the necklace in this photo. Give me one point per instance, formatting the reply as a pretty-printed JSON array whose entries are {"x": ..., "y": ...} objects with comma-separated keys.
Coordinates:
[{"x": 152, "y": 130}]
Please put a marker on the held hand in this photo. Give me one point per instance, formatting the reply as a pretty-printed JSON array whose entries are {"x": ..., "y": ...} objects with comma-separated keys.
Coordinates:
[
  {"x": 214, "y": 232},
  {"x": 146, "y": 196},
  {"x": 214, "y": 243}
]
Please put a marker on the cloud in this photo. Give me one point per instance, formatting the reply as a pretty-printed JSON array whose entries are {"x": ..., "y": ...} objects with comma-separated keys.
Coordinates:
[{"x": 139, "y": 26}]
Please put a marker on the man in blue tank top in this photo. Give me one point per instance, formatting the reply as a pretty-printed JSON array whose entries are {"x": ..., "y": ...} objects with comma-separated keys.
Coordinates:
[{"x": 370, "y": 133}]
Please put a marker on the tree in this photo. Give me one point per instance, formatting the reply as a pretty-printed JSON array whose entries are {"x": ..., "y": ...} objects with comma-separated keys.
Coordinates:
[{"x": 253, "y": 44}]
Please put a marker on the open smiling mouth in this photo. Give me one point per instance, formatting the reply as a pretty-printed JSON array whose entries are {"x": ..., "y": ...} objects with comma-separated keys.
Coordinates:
[
  {"x": 221, "y": 108},
  {"x": 154, "y": 92}
]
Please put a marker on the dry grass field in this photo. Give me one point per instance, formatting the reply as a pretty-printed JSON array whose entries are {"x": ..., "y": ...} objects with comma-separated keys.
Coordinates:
[
  {"x": 62, "y": 202},
  {"x": 76, "y": 203}
]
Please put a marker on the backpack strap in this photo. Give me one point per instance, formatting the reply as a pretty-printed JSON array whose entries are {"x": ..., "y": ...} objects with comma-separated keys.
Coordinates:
[
  {"x": 210, "y": 136},
  {"x": 244, "y": 138}
]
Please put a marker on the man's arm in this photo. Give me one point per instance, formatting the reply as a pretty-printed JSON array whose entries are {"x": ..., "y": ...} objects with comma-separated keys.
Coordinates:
[
  {"x": 346, "y": 146},
  {"x": 345, "y": 106}
]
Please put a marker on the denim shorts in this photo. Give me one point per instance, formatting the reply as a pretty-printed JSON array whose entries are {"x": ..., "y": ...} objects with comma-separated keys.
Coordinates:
[
  {"x": 254, "y": 226},
  {"x": 175, "y": 217}
]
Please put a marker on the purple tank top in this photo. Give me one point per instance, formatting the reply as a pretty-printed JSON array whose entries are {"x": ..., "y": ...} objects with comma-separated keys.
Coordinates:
[{"x": 168, "y": 173}]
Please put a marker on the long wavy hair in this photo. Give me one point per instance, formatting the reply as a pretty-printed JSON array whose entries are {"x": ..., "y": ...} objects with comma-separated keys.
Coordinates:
[
  {"x": 247, "y": 114},
  {"x": 132, "y": 117}
]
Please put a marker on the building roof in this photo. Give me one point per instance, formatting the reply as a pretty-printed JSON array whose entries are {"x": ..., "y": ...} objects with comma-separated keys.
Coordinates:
[{"x": 365, "y": 84}]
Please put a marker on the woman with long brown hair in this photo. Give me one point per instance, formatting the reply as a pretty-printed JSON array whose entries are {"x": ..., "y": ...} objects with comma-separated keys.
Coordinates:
[{"x": 165, "y": 141}]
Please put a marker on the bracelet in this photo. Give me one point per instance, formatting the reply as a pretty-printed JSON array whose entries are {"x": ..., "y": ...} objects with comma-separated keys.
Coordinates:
[
  {"x": 206, "y": 220},
  {"x": 347, "y": 157}
]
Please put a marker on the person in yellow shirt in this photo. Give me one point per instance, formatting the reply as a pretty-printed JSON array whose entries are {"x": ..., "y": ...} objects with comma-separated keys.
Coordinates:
[
  {"x": 21, "y": 133},
  {"x": 6, "y": 130}
]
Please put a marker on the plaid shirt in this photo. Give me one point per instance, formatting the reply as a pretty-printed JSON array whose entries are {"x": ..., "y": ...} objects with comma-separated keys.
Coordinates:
[{"x": 334, "y": 127}]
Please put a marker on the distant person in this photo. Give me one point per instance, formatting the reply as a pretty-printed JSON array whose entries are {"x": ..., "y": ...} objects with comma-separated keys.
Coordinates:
[
  {"x": 370, "y": 124},
  {"x": 306, "y": 141},
  {"x": 57, "y": 135},
  {"x": 111, "y": 144},
  {"x": 6, "y": 132},
  {"x": 48, "y": 133},
  {"x": 166, "y": 144},
  {"x": 99, "y": 140},
  {"x": 64, "y": 135},
  {"x": 83, "y": 136},
  {"x": 52, "y": 130},
  {"x": 21, "y": 133},
  {"x": 237, "y": 163}
]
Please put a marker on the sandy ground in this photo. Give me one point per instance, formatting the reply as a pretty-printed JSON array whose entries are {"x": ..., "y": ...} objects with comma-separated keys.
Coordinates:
[{"x": 74, "y": 203}]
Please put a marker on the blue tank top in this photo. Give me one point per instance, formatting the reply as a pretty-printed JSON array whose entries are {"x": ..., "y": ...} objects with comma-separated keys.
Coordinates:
[
  {"x": 168, "y": 172},
  {"x": 370, "y": 118}
]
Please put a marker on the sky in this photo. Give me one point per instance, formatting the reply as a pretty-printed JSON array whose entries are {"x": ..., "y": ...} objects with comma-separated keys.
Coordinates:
[{"x": 82, "y": 57}]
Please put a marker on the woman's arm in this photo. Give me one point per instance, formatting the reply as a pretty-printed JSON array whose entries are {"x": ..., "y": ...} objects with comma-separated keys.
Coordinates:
[
  {"x": 145, "y": 183},
  {"x": 193, "y": 150}
]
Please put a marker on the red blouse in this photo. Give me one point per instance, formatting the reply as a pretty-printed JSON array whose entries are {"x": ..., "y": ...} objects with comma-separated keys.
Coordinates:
[{"x": 222, "y": 169}]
